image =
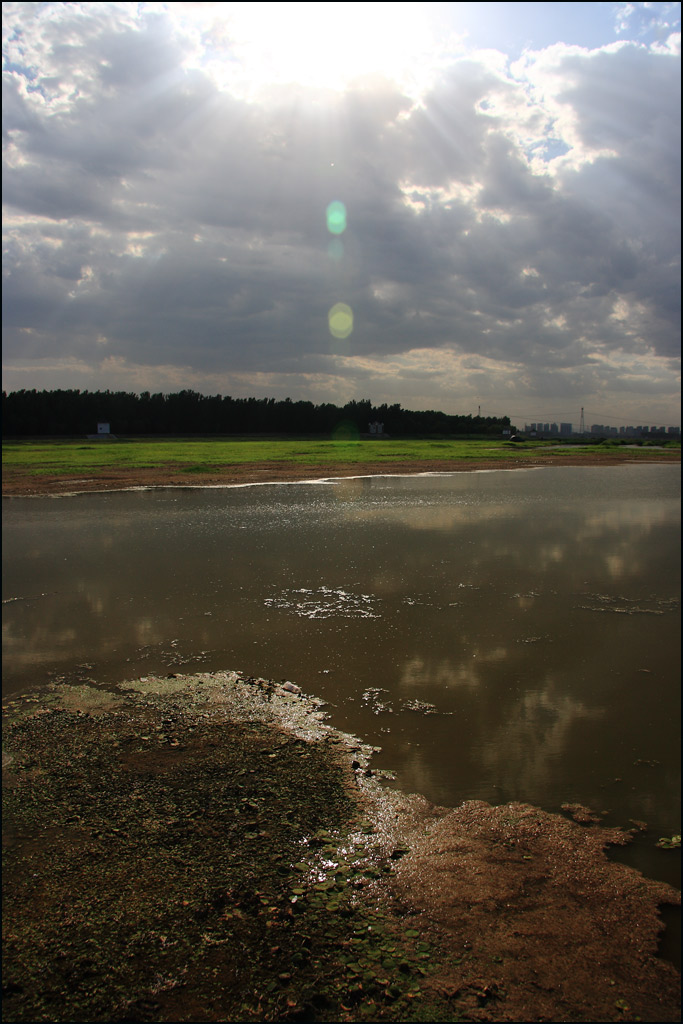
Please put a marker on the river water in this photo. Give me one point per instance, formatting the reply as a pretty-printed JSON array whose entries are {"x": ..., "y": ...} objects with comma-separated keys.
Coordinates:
[{"x": 502, "y": 635}]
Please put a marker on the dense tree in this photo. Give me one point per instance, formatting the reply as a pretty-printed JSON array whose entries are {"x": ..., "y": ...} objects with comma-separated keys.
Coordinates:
[{"x": 75, "y": 413}]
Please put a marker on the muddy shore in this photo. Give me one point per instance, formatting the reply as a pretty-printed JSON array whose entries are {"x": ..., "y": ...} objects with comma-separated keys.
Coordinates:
[
  {"x": 208, "y": 848},
  {"x": 17, "y": 483}
]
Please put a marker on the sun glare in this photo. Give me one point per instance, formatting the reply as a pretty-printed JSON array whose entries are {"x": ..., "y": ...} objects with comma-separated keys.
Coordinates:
[{"x": 253, "y": 46}]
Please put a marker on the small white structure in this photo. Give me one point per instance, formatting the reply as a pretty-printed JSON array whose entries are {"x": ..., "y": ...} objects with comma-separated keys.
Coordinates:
[
  {"x": 376, "y": 428},
  {"x": 103, "y": 433}
]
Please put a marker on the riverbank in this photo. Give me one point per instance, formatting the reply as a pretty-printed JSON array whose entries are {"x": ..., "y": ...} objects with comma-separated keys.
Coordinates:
[
  {"x": 207, "y": 848},
  {"x": 18, "y": 482}
]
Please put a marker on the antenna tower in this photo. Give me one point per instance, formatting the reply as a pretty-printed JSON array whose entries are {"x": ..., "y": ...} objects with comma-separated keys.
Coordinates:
[{"x": 582, "y": 423}]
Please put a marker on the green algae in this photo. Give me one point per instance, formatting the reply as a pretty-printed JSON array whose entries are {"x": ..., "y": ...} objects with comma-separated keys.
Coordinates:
[{"x": 164, "y": 864}]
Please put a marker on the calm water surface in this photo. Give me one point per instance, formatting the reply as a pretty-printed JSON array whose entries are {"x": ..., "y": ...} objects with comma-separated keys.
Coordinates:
[{"x": 501, "y": 635}]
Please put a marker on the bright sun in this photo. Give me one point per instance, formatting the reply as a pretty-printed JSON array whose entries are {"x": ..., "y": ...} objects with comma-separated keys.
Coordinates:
[{"x": 251, "y": 46}]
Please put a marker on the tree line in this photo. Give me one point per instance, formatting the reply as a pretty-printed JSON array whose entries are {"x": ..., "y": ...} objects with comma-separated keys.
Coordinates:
[{"x": 66, "y": 413}]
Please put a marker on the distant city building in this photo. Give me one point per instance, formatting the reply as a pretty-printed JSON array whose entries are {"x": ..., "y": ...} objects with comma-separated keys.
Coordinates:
[{"x": 599, "y": 430}]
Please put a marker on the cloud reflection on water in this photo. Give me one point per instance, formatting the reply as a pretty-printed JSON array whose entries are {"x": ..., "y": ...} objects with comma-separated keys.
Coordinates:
[{"x": 521, "y": 606}]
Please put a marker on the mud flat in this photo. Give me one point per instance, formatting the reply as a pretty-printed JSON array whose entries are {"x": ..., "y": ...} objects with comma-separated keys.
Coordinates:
[
  {"x": 208, "y": 848},
  {"x": 17, "y": 482}
]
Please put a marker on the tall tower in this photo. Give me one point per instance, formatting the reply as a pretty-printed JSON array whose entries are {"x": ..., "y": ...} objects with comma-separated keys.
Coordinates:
[{"x": 582, "y": 423}]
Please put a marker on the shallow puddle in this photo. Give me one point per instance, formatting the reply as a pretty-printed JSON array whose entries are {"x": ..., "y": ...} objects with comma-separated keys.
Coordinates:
[{"x": 501, "y": 635}]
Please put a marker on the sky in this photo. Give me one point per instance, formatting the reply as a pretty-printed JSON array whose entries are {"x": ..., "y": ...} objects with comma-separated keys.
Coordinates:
[{"x": 453, "y": 206}]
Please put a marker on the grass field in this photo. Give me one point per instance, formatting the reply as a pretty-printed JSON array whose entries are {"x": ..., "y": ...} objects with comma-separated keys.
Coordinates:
[
  {"x": 61, "y": 457},
  {"x": 210, "y": 455}
]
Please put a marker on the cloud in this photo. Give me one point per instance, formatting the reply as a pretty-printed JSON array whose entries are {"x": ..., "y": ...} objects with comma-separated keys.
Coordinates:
[{"x": 526, "y": 215}]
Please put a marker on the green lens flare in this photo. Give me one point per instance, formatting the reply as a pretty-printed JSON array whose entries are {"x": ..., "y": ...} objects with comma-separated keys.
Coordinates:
[
  {"x": 336, "y": 218},
  {"x": 340, "y": 319},
  {"x": 335, "y": 249}
]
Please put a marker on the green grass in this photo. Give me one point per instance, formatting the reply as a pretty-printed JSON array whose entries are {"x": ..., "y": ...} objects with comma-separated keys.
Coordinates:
[{"x": 210, "y": 456}]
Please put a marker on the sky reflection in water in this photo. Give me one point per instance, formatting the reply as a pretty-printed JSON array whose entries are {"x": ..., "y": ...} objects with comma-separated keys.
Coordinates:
[{"x": 501, "y": 635}]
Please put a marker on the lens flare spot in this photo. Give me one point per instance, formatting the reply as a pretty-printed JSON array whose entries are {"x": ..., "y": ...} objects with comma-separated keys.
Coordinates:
[
  {"x": 340, "y": 319},
  {"x": 335, "y": 249},
  {"x": 345, "y": 431},
  {"x": 336, "y": 218}
]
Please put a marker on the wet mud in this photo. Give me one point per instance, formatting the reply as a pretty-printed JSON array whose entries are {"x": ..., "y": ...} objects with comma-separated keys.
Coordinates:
[
  {"x": 540, "y": 924},
  {"x": 18, "y": 483},
  {"x": 208, "y": 848}
]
